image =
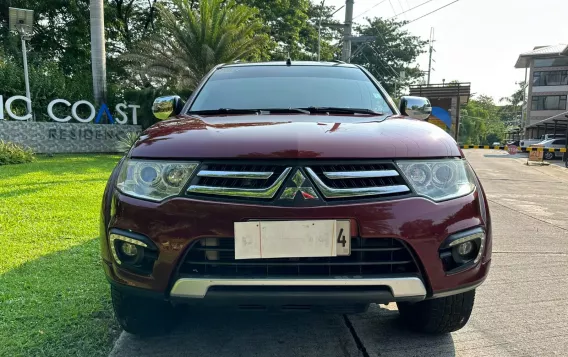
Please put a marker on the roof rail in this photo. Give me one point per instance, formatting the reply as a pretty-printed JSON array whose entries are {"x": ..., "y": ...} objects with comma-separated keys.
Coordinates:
[{"x": 338, "y": 61}]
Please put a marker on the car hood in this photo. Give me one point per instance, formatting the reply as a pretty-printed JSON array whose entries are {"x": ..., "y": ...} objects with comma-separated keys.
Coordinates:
[{"x": 293, "y": 137}]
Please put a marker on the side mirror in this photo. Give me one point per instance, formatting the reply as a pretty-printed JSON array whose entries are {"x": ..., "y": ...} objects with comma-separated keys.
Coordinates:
[
  {"x": 415, "y": 107},
  {"x": 165, "y": 107}
]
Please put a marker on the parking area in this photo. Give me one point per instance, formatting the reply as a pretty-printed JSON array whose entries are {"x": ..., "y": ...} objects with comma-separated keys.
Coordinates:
[{"x": 521, "y": 310}]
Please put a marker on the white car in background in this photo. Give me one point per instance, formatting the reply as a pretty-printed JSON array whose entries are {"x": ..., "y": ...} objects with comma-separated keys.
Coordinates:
[
  {"x": 528, "y": 142},
  {"x": 552, "y": 144}
]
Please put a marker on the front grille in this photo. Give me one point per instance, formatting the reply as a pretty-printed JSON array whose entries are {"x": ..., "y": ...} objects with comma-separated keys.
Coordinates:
[
  {"x": 248, "y": 182},
  {"x": 263, "y": 181},
  {"x": 387, "y": 175},
  {"x": 369, "y": 256},
  {"x": 348, "y": 181},
  {"x": 260, "y": 181}
]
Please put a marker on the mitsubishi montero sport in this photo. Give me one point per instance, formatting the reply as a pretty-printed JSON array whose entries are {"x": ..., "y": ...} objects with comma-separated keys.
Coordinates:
[{"x": 294, "y": 184}]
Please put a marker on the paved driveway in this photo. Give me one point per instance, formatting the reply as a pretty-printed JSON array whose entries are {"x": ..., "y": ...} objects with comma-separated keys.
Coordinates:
[{"x": 521, "y": 310}]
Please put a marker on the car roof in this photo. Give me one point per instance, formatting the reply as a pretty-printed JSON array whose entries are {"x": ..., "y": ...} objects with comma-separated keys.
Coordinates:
[{"x": 293, "y": 63}]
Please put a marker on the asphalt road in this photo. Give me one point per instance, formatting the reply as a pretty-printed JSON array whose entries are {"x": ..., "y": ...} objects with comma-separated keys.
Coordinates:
[{"x": 521, "y": 310}]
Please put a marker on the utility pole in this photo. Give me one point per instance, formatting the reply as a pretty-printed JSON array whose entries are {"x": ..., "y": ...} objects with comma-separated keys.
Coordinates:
[
  {"x": 346, "y": 53},
  {"x": 431, "y": 50},
  {"x": 319, "y": 31}
]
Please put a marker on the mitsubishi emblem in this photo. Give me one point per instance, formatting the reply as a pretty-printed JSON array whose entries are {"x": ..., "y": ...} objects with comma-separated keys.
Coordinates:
[{"x": 290, "y": 193}]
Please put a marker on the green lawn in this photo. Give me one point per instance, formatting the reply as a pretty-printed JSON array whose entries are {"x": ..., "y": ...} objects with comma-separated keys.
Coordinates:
[{"x": 54, "y": 299}]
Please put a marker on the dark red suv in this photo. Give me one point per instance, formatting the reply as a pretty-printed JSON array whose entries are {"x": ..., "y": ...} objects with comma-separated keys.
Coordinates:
[{"x": 291, "y": 186}]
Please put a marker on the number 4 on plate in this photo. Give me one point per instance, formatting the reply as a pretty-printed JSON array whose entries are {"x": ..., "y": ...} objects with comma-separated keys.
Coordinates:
[{"x": 343, "y": 238}]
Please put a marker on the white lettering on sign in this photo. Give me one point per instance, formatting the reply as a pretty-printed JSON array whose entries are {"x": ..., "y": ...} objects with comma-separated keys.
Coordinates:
[
  {"x": 13, "y": 115},
  {"x": 120, "y": 109},
  {"x": 121, "y": 116},
  {"x": 77, "y": 117},
  {"x": 52, "y": 115},
  {"x": 134, "y": 114}
]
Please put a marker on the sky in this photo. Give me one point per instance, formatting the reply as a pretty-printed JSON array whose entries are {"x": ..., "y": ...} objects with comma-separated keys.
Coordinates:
[{"x": 477, "y": 41}]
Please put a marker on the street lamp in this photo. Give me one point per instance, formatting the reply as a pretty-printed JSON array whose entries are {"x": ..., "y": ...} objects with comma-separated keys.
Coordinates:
[{"x": 22, "y": 20}]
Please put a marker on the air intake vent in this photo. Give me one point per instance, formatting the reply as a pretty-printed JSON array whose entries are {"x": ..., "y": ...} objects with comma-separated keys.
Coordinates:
[{"x": 369, "y": 256}]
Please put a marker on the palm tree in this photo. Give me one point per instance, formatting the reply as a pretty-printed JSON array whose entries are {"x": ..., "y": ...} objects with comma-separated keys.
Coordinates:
[
  {"x": 194, "y": 41},
  {"x": 98, "y": 56},
  {"x": 516, "y": 97}
]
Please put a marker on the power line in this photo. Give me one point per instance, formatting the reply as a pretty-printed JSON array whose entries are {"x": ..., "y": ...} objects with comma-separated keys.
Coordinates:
[
  {"x": 381, "y": 66},
  {"x": 336, "y": 11},
  {"x": 392, "y": 7},
  {"x": 369, "y": 9},
  {"x": 438, "y": 9},
  {"x": 388, "y": 49},
  {"x": 416, "y": 7},
  {"x": 388, "y": 64},
  {"x": 378, "y": 58},
  {"x": 401, "y": 7}
]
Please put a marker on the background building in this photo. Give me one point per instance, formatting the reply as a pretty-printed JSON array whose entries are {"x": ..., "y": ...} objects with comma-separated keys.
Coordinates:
[{"x": 546, "y": 71}]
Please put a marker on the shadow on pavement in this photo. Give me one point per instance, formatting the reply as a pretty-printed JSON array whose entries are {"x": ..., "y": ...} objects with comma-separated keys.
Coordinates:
[
  {"x": 231, "y": 333},
  {"x": 382, "y": 333},
  {"x": 220, "y": 334}
]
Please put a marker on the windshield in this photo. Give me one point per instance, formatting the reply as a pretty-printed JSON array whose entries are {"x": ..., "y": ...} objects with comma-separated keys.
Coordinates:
[{"x": 269, "y": 87}]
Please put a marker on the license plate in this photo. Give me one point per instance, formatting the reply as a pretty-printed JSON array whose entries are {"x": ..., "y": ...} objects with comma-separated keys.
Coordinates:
[{"x": 292, "y": 239}]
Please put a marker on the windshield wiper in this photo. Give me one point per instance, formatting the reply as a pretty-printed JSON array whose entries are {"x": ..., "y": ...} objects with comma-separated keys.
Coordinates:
[
  {"x": 286, "y": 110},
  {"x": 308, "y": 110},
  {"x": 249, "y": 111},
  {"x": 340, "y": 110},
  {"x": 224, "y": 111}
]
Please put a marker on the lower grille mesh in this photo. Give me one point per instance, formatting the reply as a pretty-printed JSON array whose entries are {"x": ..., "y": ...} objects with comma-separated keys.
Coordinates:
[{"x": 216, "y": 256}]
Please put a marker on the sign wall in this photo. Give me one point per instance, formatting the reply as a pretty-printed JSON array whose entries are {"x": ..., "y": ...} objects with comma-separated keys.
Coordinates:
[{"x": 54, "y": 137}]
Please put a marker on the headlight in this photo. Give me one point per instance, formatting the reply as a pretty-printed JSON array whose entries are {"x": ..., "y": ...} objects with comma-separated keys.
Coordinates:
[
  {"x": 154, "y": 180},
  {"x": 439, "y": 180}
]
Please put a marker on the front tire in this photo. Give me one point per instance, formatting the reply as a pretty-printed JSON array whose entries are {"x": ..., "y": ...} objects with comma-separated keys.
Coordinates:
[
  {"x": 438, "y": 316},
  {"x": 142, "y": 316},
  {"x": 549, "y": 155}
]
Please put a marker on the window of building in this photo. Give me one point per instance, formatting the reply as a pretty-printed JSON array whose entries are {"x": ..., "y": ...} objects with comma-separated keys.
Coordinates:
[
  {"x": 551, "y": 62},
  {"x": 549, "y": 102},
  {"x": 551, "y": 78}
]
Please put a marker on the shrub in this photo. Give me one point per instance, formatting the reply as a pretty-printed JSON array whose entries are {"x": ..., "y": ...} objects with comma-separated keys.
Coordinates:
[{"x": 11, "y": 153}]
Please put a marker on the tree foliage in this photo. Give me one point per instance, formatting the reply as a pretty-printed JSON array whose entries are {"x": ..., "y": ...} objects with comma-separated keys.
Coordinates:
[
  {"x": 393, "y": 51},
  {"x": 175, "y": 42},
  {"x": 193, "y": 42},
  {"x": 481, "y": 122}
]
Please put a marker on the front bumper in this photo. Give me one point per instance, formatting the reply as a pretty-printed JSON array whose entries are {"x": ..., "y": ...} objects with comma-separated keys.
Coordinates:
[
  {"x": 399, "y": 288},
  {"x": 174, "y": 224}
]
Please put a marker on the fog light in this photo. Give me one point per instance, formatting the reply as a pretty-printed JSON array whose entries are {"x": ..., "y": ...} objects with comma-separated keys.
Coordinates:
[
  {"x": 465, "y": 249},
  {"x": 462, "y": 250},
  {"x": 129, "y": 249}
]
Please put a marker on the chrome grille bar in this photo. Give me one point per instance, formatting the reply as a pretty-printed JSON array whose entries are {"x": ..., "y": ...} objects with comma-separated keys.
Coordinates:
[
  {"x": 340, "y": 175},
  {"x": 330, "y": 192},
  {"x": 267, "y": 192},
  {"x": 236, "y": 174}
]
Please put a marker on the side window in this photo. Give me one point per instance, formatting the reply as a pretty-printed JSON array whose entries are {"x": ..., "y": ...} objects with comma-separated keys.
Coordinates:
[{"x": 559, "y": 142}]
